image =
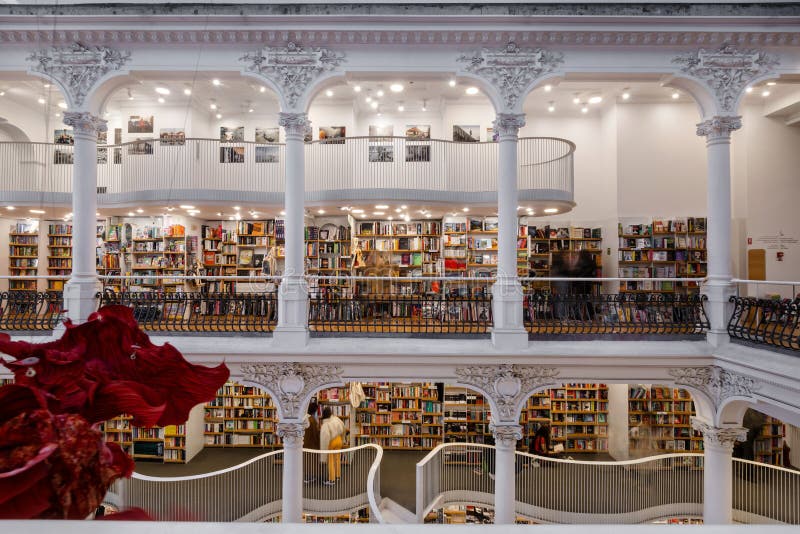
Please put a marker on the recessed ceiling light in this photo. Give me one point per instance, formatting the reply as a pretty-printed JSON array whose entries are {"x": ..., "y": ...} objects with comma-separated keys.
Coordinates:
[
  {"x": 250, "y": 110},
  {"x": 548, "y": 88},
  {"x": 45, "y": 85},
  {"x": 219, "y": 214},
  {"x": 320, "y": 211},
  {"x": 771, "y": 83},
  {"x": 576, "y": 100},
  {"x": 329, "y": 93},
  {"x": 551, "y": 210},
  {"x": 380, "y": 114},
  {"x": 262, "y": 89},
  {"x": 451, "y": 83},
  {"x": 362, "y": 215},
  {"x": 131, "y": 214},
  {"x": 368, "y": 99},
  {"x": 401, "y": 108},
  {"x": 37, "y": 211},
  {"x": 406, "y": 218},
  {"x": 471, "y": 90},
  {"x": 381, "y": 207},
  {"x": 676, "y": 95},
  {"x": 58, "y": 114},
  {"x": 403, "y": 206},
  {"x": 595, "y": 99},
  {"x": 170, "y": 208},
  {"x": 237, "y": 208},
  {"x": 186, "y": 207},
  {"x": 378, "y": 212},
  {"x": 396, "y": 88},
  {"x": 584, "y": 109},
  {"x": 357, "y": 211},
  {"x": 161, "y": 100},
  {"x": 41, "y": 100},
  {"x": 219, "y": 115},
  {"x": 230, "y": 217},
  {"x": 390, "y": 218},
  {"x": 765, "y": 93},
  {"x": 357, "y": 88},
  {"x": 373, "y": 105},
  {"x": 748, "y": 90},
  {"x": 626, "y": 95},
  {"x": 10, "y": 208},
  {"x": 213, "y": 105},
  {"x": 465, "y": 210},
  {"x": 397, "y": 210},
  {"x": 216, "y": 82},
  {"x": 162, "y": 90},
  {"x": 187, "y": 91},
  {"x": 283, "y": 212},
  {"x": 380, "y": 92},
  {"x": 551, "y": 108},
  {"x": 428, "y": 215},
  {"x": 140, "y": 210},
  {"x": 2, "y": 93},
  {"x": 62, "y": 105}
]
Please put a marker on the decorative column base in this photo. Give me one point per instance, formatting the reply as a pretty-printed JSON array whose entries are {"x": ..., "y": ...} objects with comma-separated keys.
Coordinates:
[
  {"x": 292, "y": 329},
  {"x": 505, "y": 439},
  {"x": 80, "y": 297},
  {"x": 719, "y": 310},
  {"x": 508, "y": 332}
]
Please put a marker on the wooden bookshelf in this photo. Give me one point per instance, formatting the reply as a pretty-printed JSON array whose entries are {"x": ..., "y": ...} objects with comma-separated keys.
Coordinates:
[
  {"x": 241, "y": 416},
  {"x": 545, "y": 242},
  {"x": 111, "y": 262},
  {"x": 768, "y": 447},
  {"x": 338, "y": 401},
  {"x": 59, "y": 255},
  {"x": 659, "y": 421},
  {"x": 466, "y": 416},
  {"x": 329, "y": 253},
  {"x": 176, "y": 258},
  {"x": 23, "y": 256},
  {"x": 579, "y": 417}
]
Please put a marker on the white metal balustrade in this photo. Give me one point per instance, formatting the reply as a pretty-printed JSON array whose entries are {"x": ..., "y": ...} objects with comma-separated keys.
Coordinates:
[{"x": 353, "y": 168}]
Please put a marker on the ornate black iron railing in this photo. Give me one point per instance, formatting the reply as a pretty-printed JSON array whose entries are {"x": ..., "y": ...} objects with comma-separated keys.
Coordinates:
[
  {"x": 622, "y": 314},
  {"x": 766, "y": 321},
  {"x": 29, "y": 310},
  {"x": 428, "y": 314},
  {"x": 199, "y": 312}
]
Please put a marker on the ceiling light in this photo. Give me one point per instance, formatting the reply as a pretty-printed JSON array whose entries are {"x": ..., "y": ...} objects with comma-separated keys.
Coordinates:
[
  {"x": 58, "y": 114},
  {"x": 219, "y": 214},
  {"x": 187, "y": 91},
  {"x": 595, "y": 99},
  {"x": 262, "y": 89},
  {"x": 345, "y": 208},
  {"x": 36, "y": 211},
  {"x": 186, "y": 207},
  {"x": 130, "y": 96},
  {"x": 320, "y": 211},
  {"x": 216, "y": 82},
  {"x": 451, "y": 83},
  {"x": 368, "y": 99},
  {"x": 465, "y": 210},
  {"x": 41, "y": 100},
  {"x": 380, "y": 114},
  {"x": 765, "y": 93},
  {"x": 381, "y": 207},
  {"x": 357, "y": 88},
  {"x": 45, "y": 85},
  {"x": 357, "y": 211},
  {"x": 626, "y": 95},
  {"x": 576, "y": 100},
  {"x": 530, "y": 211},
  {"x": 162, "y": 90},
  {"x": 131, "y": 214},
  {"x": 361, "y": 215},
  {"x": 676, "y": 95},
  {"x": 424, "y": 105},
  {"x": 329, "y": 93},
  {"x": 373, "y": 105},
  {"x": 62, "y": 105},
  {"x": 748, "y": 90},
  {"x": 551, "y": 108},
  {"x": 161, "y": 100},
  {"x": 140, "y": 210},
  {"x": 170, "y": 208},
  {"x": 283, "y": 212},
  {"x": 771, "y": 83},
  {"x": 548, "y": 88},
  {"x": 378, "y": 212},
  {"x": 471, "y": 90},
  {"x": 403, "y": 206},
  {"x": 401, "y": 108},
  {"x": 219, "y": 115},
  {"x": 250, "y": 110},
  {"x": 230, "y": 217},
  {"x": 428, "y": 215},
  {"x": 406, "y": 218},
  {"x": 2, "y": 93},
  {"x": 213, "y": 105},
  {"x": 380, "y": 92},
  {"x": 390, "y": 218},
  {"x": 10, "y": 208},
  {"x": 396, "y": 88},
  {"x": 584, "y": 109},
  {"x": 551, "y": 210},
  {"x": 237, "y": 208}
]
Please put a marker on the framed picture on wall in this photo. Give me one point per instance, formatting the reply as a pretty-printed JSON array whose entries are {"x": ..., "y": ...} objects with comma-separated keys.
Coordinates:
[
  {"x": 382, "y": 130},
  {"x": 419, "y": 132},
  {"x": 172, "y": 137},
  {"x": 491, "y": 136},
  {"x": 64, "y": 136},
  {"x": 268, "y": 135},
  {"x": 465, "y": 133},
  {"x": 381, "y": 153},
  {"x": 332, "y": 134},
  {"x": 234, "y": 154},
  {"x": 140, "y": 124},
  {"x": 229, "y": 134},
  {"x": 141, "y": 147},
  {"x": 267, "y": 154},
  {"x": 418, "y": 153}
]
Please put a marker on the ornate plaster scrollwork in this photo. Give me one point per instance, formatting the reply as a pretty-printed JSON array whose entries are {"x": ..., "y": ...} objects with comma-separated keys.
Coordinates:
[
  {"x": 78, "y": 68},
  {"x": 718, "y": 383},
  {"x": 720, "y": 126},
  {"x": 506, "y": 383},
  {"x": 291, "y": 433},
  {"x": 727, "y": 71},
  {"x": 511, "y": 69},
  {"x": 85, "y": 123},
  {"x": 291, "y": 382},
  {"x": 292, "y": 68},
  {"x": 506, "y": 435},
  {"x": 719, "y": 436},
  {"x": 296, "y": 124},
  {"x": 508, "y": 123}
]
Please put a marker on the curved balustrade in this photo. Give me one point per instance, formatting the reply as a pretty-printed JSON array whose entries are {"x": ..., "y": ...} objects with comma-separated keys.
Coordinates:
[
  {"x": 766, "y": 322},
  {"x": 31, "y": 310},
  {"x": 765, "y": 493},
  {"x": 354, "y": 168}
]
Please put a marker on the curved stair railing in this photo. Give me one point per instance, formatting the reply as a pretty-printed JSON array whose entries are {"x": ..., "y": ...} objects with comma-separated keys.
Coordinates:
[{"x": 551, "y": 490}]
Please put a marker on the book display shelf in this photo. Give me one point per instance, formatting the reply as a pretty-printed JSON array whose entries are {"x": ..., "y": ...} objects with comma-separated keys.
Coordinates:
[
  {"x": 23, "y": 255},
  {"x": 59, "y": 255},
  {"x": 329, "y": 253},
  {"x": 111, "y": 260},
  {"x": 659, "y": 421},
  {"x": 549, "y": 244},
  {"x": 768, "y": 447},
  {"x": 466, "y": 416},
  {"x": 662, "y": 248},
  {"x": 241, "y": 416},
  {"x": 399, "y": 416},
  {"x": 579, "y": 417}
]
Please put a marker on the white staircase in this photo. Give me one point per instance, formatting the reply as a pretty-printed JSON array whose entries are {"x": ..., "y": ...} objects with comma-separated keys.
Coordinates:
[{"x": 396, "y": 514}]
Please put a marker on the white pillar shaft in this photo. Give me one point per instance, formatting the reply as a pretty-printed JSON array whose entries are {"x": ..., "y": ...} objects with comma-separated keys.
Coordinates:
[
  {"x": 84, "y": 204},
  {"x": 717, "y": 485},
  {"x": 719, "y": 208},
  {"x": 294, "y": 205},
  {"x": 507, "y": 201},
  {"x": 504, "y": 485},
  {"x": 292, "y": 484}
]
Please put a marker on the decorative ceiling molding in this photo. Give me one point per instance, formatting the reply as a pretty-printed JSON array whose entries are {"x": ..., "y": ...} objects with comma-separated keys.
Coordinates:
[
  {"x": 511, "y": 70},
  {"x": 292, "y": 68},
  {"x": 76, "y": 67},
  {"x": 291, "y": 382},
  {"x": 507, "y": 384},
  {"x": 728, "y": 71},
  {"x": 717, "y": 383},
  {"x": 395, "y": 37}
]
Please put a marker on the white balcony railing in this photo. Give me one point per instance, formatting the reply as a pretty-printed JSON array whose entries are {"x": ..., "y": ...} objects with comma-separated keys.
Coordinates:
[{"x": 354, "y": 168}]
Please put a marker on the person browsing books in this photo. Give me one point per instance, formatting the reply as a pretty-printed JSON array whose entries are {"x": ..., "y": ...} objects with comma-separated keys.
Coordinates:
[{"x": 331, "y": 437}]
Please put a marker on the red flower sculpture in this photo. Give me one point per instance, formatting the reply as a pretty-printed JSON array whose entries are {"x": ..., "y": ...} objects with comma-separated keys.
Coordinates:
[{"x": 53, "y": 461}]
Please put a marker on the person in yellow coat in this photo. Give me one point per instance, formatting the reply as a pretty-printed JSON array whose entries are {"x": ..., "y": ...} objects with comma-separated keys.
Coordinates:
[{"x": 331, "y": 437}]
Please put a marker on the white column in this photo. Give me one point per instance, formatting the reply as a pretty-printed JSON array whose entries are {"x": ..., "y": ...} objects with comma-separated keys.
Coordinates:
[
  {"x": 505, "y": 495},
  {"x": 292, "y": 326},
  {"x": 83, "y": 284},
  {"x": 508, "y": 331},
  {"x": 718, "y": 470},
  {"x": 719, "y": 287},
  {"x": 292, "y": 504}
]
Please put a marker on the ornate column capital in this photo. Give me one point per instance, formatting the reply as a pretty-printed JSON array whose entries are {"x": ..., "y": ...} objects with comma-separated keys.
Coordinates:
[
  {"x": 719, "y": 127},
  {"x": 723, "y": 437},
  {"x": 727, "y": 71},
  {"x": 290, "y": 383},
  {"x": 508, "y": 124},
  {"x": 291, "y": 433},
  {"x": 508, "y": 385},
  {"x": 295, "y": 124},
  {"x": 292, "y": 68},
  {"x": 506, "y": 435},
  {"x": 77, "y": 68},
  {"x": 511, "y": 70},
  {"x": 84, "y": 123},
  {"x": 717, "y": 383}
]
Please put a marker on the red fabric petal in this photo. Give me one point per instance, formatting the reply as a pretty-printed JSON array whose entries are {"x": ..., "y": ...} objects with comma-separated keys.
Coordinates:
[{"x": 25, "y": 492}]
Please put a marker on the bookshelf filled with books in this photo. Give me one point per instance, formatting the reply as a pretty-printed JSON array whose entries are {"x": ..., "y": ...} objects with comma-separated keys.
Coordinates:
[
  {"x": 176, "y": 257},
  {"x": 256, "y": 249},
  {"x": 466, "y": 416},
  {"x": 59, "y": 255},
  {"x": 579, "y": 417},
  {"x": 565, "y": 251},
  {"x": 329, "y": 254},
  {"x": 338, "y": 401},
  {"x": 111, "y": 258},
  {"x": 219, "y": 256},
  {"x": 659, "y": 421},
  {"x": 23, "y": 255},
  {"x": 662, "y": 248},
  {"x": 768, "y": 446},
  {"x": 241, "y": 416}
]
